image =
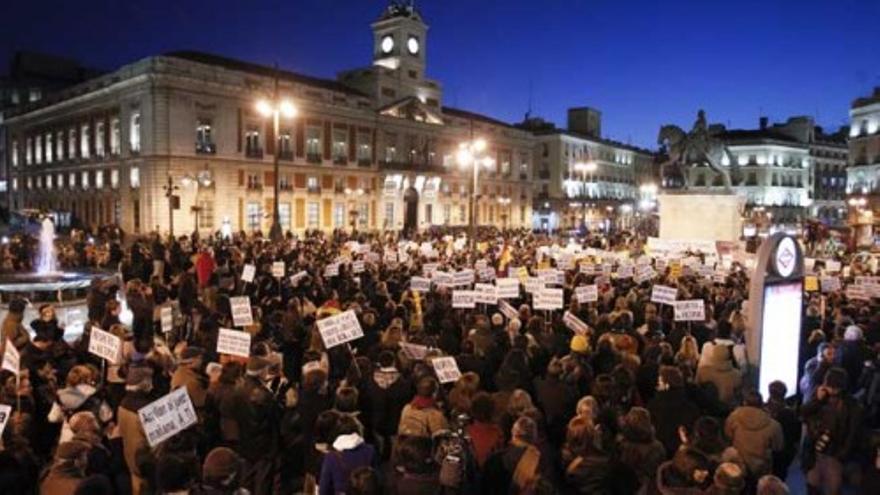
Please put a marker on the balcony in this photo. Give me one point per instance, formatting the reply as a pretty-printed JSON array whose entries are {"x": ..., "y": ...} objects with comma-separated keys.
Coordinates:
[
  {"x": 286, "y": 155},
  {"x": 364, "y": 162},
  {"x": 253, "y": 152},
  {"x": 413, "y": 167},
  {"x": 284, "y": 186},
  {"x": 205, "y": 148},
  {"x": 313, "y": 157},
  {"x": 254, "y": 186},
  {"x": 340, "y": 160},
  {"x": 313, "y": 189},
  {"x": 523, "y": 176}
]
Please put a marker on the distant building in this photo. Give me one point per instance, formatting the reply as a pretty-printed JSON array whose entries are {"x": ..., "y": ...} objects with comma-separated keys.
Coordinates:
[{"x": 863, "y": 175}]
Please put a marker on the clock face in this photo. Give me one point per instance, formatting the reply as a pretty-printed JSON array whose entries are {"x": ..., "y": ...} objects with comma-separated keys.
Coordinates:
[
  {"x": 387, "y": 44},
  {"x": 412, "y": 44}
]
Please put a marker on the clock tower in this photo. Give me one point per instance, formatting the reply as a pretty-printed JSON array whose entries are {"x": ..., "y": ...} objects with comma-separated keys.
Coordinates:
[{"x": 399, "y": 40}]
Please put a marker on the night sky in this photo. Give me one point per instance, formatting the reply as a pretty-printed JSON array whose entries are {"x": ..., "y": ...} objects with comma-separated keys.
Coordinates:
[{"x": 641, "y": 63}]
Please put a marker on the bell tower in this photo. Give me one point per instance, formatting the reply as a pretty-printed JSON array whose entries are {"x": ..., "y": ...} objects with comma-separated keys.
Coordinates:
[{"x": 399, "y": 39}]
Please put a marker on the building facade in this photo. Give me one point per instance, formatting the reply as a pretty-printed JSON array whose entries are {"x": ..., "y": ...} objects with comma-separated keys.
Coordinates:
[
  {"x": 863, "y": 174},
  {"x": 375, "y": 148}
]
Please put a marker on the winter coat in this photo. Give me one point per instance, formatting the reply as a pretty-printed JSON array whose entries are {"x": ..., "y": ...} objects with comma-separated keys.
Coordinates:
[
  {"x": 851, "y": 356},
  {"x": 557, "y": 400},
  {"x": 257, "y": 414},
  {"x": 14, "y": 331},
  {"x": 62, "y": 479},
  {"x": 842, "y": 421},
  {"x": 71, "y": 400},
  {"x": 194, "y": 382},
  {"x": 486, "y": 438},
  {"x": 417, "y": 484},
  {"x": 134, "y": 440},
  {"x": 669, "y": 482},
  {"x": 641, "y": 452},
  {"x": 388, "y": 393},
  {"x": 349, "y": 453},
  {"x": 756, "y": 436},
  {"x": 718, "y": 370},
  {"x": 599, "y": 475},
  {"x": 670, "y": 409},
  {"x": 421, "y": 418}
]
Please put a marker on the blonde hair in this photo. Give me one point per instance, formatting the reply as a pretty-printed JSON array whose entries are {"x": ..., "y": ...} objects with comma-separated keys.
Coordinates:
[{"x": 78, "y": 375}]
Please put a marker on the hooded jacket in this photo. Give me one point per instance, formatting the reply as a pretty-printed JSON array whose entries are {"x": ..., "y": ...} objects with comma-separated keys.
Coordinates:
[
  {"x": 71, "y": 400},
  {"x": 388, "y": 393},
  {"x": 421, "y": 418},
  {"x": 755, "y": 435},
  {"x": 718, "y": 370},
  {"x": 349, "y": 453}
]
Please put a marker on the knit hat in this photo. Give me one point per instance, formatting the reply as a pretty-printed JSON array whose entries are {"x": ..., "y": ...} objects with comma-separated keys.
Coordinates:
[
  {"x": 580, "y": 344},
  {"x": 139, "y": 375},
  {"x": 221, "y": 463},
  {"x": 836, "y": 378},
  {"x": 729, "y": 478},
  {"x": 69, "y": 451},
  {"x": 853, "y": 332}
]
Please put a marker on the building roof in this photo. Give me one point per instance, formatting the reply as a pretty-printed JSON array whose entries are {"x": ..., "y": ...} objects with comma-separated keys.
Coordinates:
[
  {"x": 607, "y": 142},
  {"x": 757, "y": 135},
  {"x": 464, "y": 114},
  {"x": 867, "y": 100},
  {"x": 262, "y": 70}
]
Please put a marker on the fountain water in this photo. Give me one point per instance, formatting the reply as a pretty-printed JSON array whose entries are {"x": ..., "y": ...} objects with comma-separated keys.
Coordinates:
[{"x": 46, "y": 261}]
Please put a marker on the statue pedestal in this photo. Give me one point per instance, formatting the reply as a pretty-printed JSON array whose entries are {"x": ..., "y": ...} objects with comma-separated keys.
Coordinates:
[{"x": 708, "y": 217}]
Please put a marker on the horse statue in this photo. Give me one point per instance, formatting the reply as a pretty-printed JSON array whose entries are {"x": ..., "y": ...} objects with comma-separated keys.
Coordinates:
[{"x": 696, "y": 147}]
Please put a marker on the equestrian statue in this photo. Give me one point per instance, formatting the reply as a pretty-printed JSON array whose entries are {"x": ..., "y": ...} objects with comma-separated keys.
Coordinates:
[{"x": 695, "y": 148}]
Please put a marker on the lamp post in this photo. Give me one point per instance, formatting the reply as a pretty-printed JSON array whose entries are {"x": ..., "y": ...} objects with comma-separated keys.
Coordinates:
[
  {"x": 585, "y": 168},
  {"x": 275, "y": 108},
  {"x": 471, "y": 154},
  {"x": 173, "y": 203}
]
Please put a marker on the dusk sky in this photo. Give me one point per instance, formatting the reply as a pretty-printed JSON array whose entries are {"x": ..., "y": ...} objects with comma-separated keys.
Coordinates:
[{"x": 641, "y": 63}]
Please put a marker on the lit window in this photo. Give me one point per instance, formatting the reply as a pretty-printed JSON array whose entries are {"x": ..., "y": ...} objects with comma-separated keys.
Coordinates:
[
  {"x": 365, "y": 149},
  {"x": 312, "y": 183},
  {"x": 313, "y": 144},
  {"x": 15, "y": 183},
  {"x": 99, "y": 179},
  {"x": 29, "y": 151},
  {"x": 59, "y": 145},
  {"x": 284, "y": 215},
  {"x": 114, "y": 178},
  {"x": 134, "y": 138},
  {"x": 84, "y": 141},
  {"x": 339, "y": 215},
  {"x": 99, "y": 139},
  {"x": 50, "y": 148},
  {"x": 35, "y": 94},
  {"x": 339, "y": 146},
  {"x": 59, "y": 179},
  {"x": 134, "y": 177},
  {"x": 48, "y": 182},
  {"x": 71, "y": 143},
  {"x": 253, "y": 216},
  {"x": 204, "y": 136},
  {"x": 71, "y": 180},
  {"x": 14, "y": 153},
  {"x": 363, "y": 213},
  {"x": 312, "y": 214},
  {"x": 114, "y": 136},
  {"x": 30, "y": 183},
  {"x": 84, "y": 179}
]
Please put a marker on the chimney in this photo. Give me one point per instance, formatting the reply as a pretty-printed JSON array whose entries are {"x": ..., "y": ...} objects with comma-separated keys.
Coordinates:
[{"x": 763, "y": 122}]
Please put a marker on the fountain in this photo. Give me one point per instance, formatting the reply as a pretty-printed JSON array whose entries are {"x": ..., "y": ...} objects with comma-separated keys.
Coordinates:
[{"x": 65, "y": 290}]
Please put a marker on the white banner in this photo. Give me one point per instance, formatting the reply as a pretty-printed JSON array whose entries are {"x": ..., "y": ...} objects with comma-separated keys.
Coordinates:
[
  {"x": 241, "y": 311},
  {"x": 297, "y": 277},
  {"x": 358, "y": 266},
  {"x": 331, "y": 270},
  {"x": 419, "y": 284},
  {"x": 548, "y": 298},
  {"x": 485, "y": 294},
  {"x": 5, "y": 412},
  {"x": 829, "y": 284},
  {"x": 340, "y": 329},
  {"x": 463, "y": 277},
  {"x": 11, "y": 358},
  {"x": 464, "y": 299},
  {"x": 248, "y": 272},
  {"x": 278, "y": 269},
  {"x": 664, "y": 295},
  {"x": 508, "y": 288},
  {"x": 446, "y": 369},
  {"x": 690, "y": 310},
  {"x": 507, "y": 310},
  {"x": 575, "y": 324},
  {"x": 414, "y": 351},
  {"x": 587, "y": 293},
  {"x": 675, "y": 246},
  {"x": 166, "y": 318},
  {"x": 167, "y": 416},
  {"x": 234, "y": 342},
  {"x": 104, "y": 345}
]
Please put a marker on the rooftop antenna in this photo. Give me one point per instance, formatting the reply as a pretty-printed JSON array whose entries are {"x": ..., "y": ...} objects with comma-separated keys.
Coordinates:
[{"x": 529, "y": 109}]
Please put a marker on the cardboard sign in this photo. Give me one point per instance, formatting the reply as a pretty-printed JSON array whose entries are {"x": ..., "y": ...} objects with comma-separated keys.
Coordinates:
[
  {"x": 390, "y": 257},
  {"x": 166, "y": 318},
  {"x": 414, "y": 351},
  {"x": 331, "y": 270},
  {"x": 487, "y": 274},
  {"x": 533, "y": 285},
  {"x": 446, "y": 369},
  {"x": 829, "y": 284},
  {"x": 248, "y": 272},
  {"x": 11, "y": 358},
  {"x": 548, "y": 298},
  {"x": 664, "y": 295},
  {"x": 5, "y": 412},
  {"x": 419, "y": 284},
  {"x": 811, "y": 284},
  {"x": 832, "y": 266},
  {"x": 485, "y": 294},
  {"x": 588, "y": 268},
  {"x": 297, "y": 277},
  {"x": 575, "y": 324},
  {"x": 278, "y": 269},
  {"x": 428, "y": 269},
  {"x": 857, "y": 293},
  {"x": 625, "y": 271},
  {"x": 690, "y": 310},
  {"x": 508, "y": 288},
  {"x": 675, "y": 269},
  {"x": 339, "y": 329},
  {"x": 442, "y": 279},
  {"x": 371, "y": 257},
  {"x": 587, "y": 293},
  {"x": 547, "y": 276},
  {"x": 358, "y": 266},
  {"x": 463, "y": 277},
  {"x": 104, "y": 345},
  {"x": 866, "y": 280},
  {"x": 234, "y": 342},
  {"x": 643, "y": 274},
  {"x": 507, "y": 310},
  {"x": 464, "y": 299},
  {"x": 241, "y": 311},
  {"x": 167, "y": 416}
]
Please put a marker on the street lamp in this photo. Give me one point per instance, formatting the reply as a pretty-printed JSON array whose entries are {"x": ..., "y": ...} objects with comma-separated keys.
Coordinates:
[
  {"x": 471, "y": 154},
  {"x": 275, "y": 108},
  {"x": 173, "y": 203}
]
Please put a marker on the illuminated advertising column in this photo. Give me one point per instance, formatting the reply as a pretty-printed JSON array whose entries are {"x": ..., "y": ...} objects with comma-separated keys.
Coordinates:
[{"x": 775, "y": 312}]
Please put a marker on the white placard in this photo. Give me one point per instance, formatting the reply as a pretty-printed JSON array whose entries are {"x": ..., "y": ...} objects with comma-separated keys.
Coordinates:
[
  {"x": 643, "y": 274},
  {"x": 588, "y": 268},
  {"x": 480, "y": 264},
  {"x": 664, "y": 294},
  {"x": 508, "y": 288},
  {"x": 414, "y": 351},
  {"x": 548, "y": 298},
  {"x": 866, "y": 280},
  {"x": 485, "y": 294},
  {"x": 248, "y": 272},
  {"x": 278, "y": 269},
  {"x": 464, "y": 299},
  {"x": 507, "y": 310},
  {"x": 234, "y": 342},
  {"x": 575, "y": 324},
  {"x": 857, "y": 293},
  {"x": 446, "y": 369},
  {"x": 241, "y": 311},
  {"x": 533, "y": 285},
  {"x": 296, "y": 277},
  {"x": 419, "y": 284},
  {"x": 442, "y": 279},
  {"x": 11, "y": 358},
  {"x": 331, "y": 270},
  {"x": 104, "y": 345},
  {"x": 358, "y": 266},
  {"x": 339, "y": 329},
  {"x": 487, "y": 274},
  {"x": 625, "y": 271},
  {"x": 547, "y": 276},
  {"x": 428, "y": 269},
  {"x": 5, "y": 412},
  {"x": 832, "y": 266},
  {"x": 587, "y": 293},
  {"x": 166, "y": 318},
  {"x": 371, "y": 257},
  {"x": 690, "y": 310},
  {"x": 829, "y": 284},
  {"x": 167, "y": 416},
  {"x": 463, "y": 277}
]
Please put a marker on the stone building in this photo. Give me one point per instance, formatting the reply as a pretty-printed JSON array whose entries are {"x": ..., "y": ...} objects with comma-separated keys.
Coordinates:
[
  {"x": 375, "y": 147},
  {"x": 863, "y": 174}
]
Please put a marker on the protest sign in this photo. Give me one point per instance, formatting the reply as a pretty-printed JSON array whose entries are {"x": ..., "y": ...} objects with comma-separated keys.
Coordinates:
[
  {"x": 507, "y": 310},
  {"x": 428, "y": 269},
  {"x": 575, "y": 324},
  {"x": 485, "y": 294},
  {"x": 420, "y": 284},
  {"x": 371, "y": 257},
  {"x": 625, "y": 271},
  {"x": 829, "y": 284},
  {"x": 234, "y": 342},
  {"x": 241, "y": 311},
  {"x": 297, "y": 277},
  {"x": 487, "y": 274},
  {"x": 663, "y": 294},
  {"x": 442, "y": 279},
  {"x": 533, "y": 285},
  {"x": 446, "y": 369},
  {"x": 588, "y": 268},
  {"x": 587, "y": 293},
  {"x": 463, "y": 277},
  {"x": 548, "y": 298},
  {"x": 390, "y": 256},
  {"x": 167, "y": 416},
  {"x": 811, "y": 283},
  {"x": 166, "y": 318},
  {"x": 339, "y": 329},
  {"x": 857, "y": 293},
  {"x": 104, "y": 344},
  {"x": 358, "y": 266},
  {"x": 508, "y": 288},
  {"x": 331, "y": 270},
  {"x": 832, "y": 266},
  {"x": 414, "y": 351},
  {"x": 464, "y": 299},
  {"x": 248, "y": 272},
  {"x": 547, "y": 276},
  {"x": 690, "y": 310},
  {"x": 11, "y": 358},
  {"x": 278, "y": 269},
  {"x": 643, "y": 274},
  {"x": 5, "y": 412}
]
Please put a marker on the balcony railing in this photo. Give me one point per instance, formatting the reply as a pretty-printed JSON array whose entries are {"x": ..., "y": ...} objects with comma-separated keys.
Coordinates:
[
  {"x": 253, "y": 153},
  {"x": 285, "y": 155},
  {"x": 313, "y": 189},
  {"x": 364, "y": 162},
  {"x": 413, "y": 167},
  {"x": 340, "y": 160},
  {"x": 206, "y": 148},
  {"x": 254, "y": 186},
  {"x": 313, "y": 157}
]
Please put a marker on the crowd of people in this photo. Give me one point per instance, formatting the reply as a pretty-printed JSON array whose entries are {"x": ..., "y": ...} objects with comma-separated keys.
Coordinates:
[{"x": 636, "y": 403}]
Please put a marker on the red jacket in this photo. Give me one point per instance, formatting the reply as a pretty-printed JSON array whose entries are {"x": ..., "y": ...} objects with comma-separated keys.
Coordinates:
[{"x": 205, "y": 268}]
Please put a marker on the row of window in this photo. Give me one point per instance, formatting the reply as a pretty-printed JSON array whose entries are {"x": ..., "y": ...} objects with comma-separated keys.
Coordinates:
[
  {"x": 84, "y": 179},
  {"x": 82, "y": 142}
]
